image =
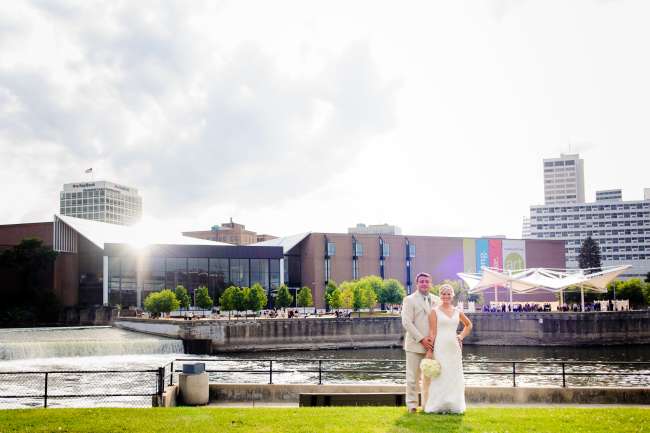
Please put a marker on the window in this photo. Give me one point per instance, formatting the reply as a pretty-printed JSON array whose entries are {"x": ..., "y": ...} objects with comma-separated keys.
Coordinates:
[
  {"x": 260, "y": 272},
  {"x": 355, "y": 269},
  {"x": 328, "y": 269},
  {"x": 385, "y": 249},
  {"x": 175, "y": 272},
  {"x": 358, "y": 249},
  {"x": 154, "y": 276},
  {"x": 219, "y": 277},
  {"x": 239, "y": 272},
  {"x": 331, "y": 249},
  {"x": 198, "y": 273},
  {"x": 274, "y": 273},
  {"x": 410, "y": 250}
]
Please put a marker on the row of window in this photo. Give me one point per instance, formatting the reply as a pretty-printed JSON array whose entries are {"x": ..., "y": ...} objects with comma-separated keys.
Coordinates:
[
  {"x": 591, "y": 208},
  {"x": 557, "y": 226},
  {"x": 99, "y": 193},
  {"x": 561, "y": 163},
  {"x": 358, "y": 251},
  {"x": 590, "y": 217},
  {"x": 613, "y": 249}
]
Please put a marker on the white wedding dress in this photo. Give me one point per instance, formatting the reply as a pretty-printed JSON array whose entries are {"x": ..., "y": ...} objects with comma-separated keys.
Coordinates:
[{"x": 447, "y": 391}]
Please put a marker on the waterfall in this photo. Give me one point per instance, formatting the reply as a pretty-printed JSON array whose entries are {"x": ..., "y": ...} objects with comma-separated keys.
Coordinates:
[{"x": 81, "y": 341}]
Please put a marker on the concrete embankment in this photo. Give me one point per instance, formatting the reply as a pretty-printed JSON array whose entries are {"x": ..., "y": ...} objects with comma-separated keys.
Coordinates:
[
  {"x": 290, "y": 393},
  {"x": 495, "y": 329}
]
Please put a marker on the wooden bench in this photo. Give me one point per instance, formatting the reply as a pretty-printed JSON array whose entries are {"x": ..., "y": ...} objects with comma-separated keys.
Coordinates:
[{"x": 349, "y": 399}]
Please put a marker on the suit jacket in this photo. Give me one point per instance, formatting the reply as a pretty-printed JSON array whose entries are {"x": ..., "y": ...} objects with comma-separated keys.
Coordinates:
[{"x": 415, "y": 320}]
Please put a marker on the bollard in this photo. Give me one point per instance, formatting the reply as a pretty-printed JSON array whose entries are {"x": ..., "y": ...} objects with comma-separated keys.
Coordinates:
[{"x": 193, "y": 384}]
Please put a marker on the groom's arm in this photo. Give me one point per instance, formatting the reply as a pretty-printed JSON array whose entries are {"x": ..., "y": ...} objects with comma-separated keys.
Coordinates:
[{"x": 408, "y": 316}]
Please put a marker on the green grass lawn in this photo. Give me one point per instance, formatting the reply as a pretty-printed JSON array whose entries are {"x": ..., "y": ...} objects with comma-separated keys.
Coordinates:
[{"x": 329, "y": 420}]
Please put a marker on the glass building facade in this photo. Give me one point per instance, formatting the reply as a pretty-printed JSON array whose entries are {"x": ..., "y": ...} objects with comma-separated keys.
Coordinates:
[{"x": 158, "y": 273}]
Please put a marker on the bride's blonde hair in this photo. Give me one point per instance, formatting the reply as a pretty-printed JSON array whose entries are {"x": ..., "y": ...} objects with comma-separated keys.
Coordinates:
[{"x": 447, "y": 287}]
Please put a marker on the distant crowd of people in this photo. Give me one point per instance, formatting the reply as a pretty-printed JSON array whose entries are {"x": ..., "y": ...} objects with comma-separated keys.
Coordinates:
[{"x": 516, "y": 308}]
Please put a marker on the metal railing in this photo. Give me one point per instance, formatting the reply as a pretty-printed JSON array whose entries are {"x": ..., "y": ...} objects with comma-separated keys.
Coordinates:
[
  {"x": 50, "y": 385},
  {"x": 562, "y": 369}
]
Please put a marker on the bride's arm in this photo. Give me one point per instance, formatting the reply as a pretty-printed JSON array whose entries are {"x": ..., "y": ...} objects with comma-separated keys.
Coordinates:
[
  {"x": 433, "y": 330},
  {"x": 467, "y": 326}
]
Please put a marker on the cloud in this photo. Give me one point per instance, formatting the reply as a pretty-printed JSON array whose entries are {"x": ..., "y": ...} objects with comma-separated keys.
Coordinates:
[{"x": 153, "y": 100}]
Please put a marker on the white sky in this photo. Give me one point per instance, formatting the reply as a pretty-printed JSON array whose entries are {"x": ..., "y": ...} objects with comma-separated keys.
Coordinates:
[{"x": 313, "y": 116}]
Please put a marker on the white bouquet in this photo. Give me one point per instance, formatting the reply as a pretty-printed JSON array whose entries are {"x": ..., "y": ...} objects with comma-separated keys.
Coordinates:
[{"x": 430, "y": 368}]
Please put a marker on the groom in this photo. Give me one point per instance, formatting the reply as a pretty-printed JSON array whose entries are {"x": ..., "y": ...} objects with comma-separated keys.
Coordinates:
[{"x": 415, "y": 319}]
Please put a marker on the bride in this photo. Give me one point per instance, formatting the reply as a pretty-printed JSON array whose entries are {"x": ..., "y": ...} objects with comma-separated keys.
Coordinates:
[{"x": 447, "y": 391}]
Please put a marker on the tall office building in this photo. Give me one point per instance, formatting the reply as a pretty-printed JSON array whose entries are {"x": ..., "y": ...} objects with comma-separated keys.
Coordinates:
[
  {"x": 101, "y": 201},
  {"x": 564, "y": 180},
  {"x": 621, "y": 228}
]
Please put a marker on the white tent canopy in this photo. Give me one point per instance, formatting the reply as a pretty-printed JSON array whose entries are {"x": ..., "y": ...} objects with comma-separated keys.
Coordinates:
[{"x": 554, "y": 280}]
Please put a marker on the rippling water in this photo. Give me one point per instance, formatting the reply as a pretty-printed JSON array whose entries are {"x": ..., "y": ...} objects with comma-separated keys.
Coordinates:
[{"x": 474, "y": 358}]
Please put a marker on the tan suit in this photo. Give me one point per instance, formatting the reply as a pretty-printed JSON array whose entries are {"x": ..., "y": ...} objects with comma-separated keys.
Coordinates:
[{"x": 415, "y": 319}]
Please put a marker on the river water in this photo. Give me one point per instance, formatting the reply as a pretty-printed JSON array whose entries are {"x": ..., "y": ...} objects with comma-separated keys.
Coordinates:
[{"x": 128, "y": 355}]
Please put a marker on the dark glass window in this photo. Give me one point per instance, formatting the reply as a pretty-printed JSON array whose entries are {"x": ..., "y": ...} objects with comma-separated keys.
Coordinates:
[
  {"x": 175, "y": 272},
  {"x": 239, "y": 272},
  {"x": 154, "y": 276},
  {"x": 197, "y": 274},
  {"x": 274, "y": 273},
  {"x": 128, "y": 292},
  {"x": 260, "y": 272},
  {"x": 114, "y": 264},
  {"x": 219, "y": 277}
]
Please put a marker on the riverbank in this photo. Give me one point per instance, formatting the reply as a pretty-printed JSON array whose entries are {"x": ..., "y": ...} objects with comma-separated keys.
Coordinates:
[
  {"x": 490, "y": 329},
  {"x": 331, "y": 420}
]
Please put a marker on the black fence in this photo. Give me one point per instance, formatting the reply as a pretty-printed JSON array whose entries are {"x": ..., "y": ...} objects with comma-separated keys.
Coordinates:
[
  {"x": 83, "y": 388},
  {"x": 323, "y": 369},
  {"x": 144, "y": 388}
]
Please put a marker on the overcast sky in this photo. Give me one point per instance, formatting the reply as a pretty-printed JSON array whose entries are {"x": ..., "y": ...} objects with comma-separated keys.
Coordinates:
[{"x": 313, "y": 116}]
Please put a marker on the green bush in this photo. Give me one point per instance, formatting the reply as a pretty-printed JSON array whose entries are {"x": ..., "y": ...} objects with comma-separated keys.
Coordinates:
[{"x": 161, "y": 302}]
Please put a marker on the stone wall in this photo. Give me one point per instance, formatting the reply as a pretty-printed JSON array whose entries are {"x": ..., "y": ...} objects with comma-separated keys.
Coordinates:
[
  {"x": 289, "y": 393},
  {"x": 518, "y": 329}
]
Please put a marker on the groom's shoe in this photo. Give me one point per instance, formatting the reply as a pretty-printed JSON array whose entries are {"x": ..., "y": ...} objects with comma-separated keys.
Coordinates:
[{"x": 413, "y": 409}]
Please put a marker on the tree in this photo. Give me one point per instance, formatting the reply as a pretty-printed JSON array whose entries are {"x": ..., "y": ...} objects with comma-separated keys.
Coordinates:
[
  {"x": 329, "y": 289},
  {"x": 358, "y": 294},
  {"x": 633, "y": 290},
  {"x": 347, "y": 294},
  {"x": 335, "y": 299},
  {"x": 203, "y": 299},
  {"x": 161, "y": 302},
  {"x": 376, "y": 283},
  {"x": 283, "y": 298},
  {"x": 182, "y": 296},
  {"x": 304, "y": 298},
  {"x": 256, "y": 298},
  {"x": 239, "y": 298},
  {"x": 647, "y": 277},
  {"x": 27, "y": 295},
  {"x": 392, "y": 293},
  {"x": 227, "y": 299},
  {"x": 589, "y": 257}
]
